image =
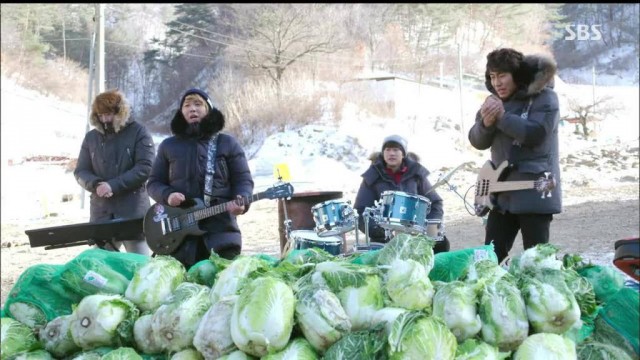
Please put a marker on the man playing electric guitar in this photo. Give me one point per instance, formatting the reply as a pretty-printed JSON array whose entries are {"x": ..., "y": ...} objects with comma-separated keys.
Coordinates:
[
  {"x": 519, "y": 123},
  {"x": 200, "y": 162}
]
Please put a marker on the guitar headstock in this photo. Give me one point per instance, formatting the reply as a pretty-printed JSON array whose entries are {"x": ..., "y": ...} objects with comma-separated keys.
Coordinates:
[
  {"x": 279, "y": 191},
  {"x": 546, "y": 184}
]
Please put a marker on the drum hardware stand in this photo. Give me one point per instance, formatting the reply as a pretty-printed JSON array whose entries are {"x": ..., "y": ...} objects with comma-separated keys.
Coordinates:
[
  {"x": 454, "y": 188},
  {"x": 367, "y": 216},
  {"x": 287, "y": 222},
  {"x": 356, "y": 221}
]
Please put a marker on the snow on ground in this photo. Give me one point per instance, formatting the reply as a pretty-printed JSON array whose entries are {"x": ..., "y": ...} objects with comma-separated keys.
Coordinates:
[{"x": 321, "y": 157}]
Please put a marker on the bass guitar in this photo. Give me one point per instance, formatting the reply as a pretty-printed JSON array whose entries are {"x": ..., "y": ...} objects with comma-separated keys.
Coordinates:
[
  {"x": 489, "y": 183},
  {"x": 165, "y": 227}
]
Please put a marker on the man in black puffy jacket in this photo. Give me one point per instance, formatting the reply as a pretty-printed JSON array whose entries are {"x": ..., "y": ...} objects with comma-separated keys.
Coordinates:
[
  {"x": 519, "y": 123},
  {"x": 179, "y": 171},
  {"x": 114, "y": 164}
]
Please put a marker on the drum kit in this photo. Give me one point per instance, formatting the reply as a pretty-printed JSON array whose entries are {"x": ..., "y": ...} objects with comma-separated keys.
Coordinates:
[{"x": 396, "y": 211}]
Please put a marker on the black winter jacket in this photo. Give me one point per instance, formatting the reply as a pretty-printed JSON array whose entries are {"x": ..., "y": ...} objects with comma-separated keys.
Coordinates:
[
  {"x": 123, "y": 159},
  {"x": 531, "y": 144},
  {"x": 180, "y": 166}
]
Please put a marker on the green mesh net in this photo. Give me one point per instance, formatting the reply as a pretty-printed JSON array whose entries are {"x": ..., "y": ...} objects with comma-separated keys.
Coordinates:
[
  {"x": 617, "y": 322},
  {"x": 44, "y": 292},
  {"x": 452, "y": 265},
  {"x": 38, "y": 296}
]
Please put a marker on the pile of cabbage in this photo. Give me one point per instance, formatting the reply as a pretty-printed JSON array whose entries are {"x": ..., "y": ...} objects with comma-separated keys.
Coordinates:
[{"x": 313, "y": 305}]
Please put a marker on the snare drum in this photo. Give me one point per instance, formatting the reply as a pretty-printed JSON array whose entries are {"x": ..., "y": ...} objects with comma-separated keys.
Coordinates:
[
  {"x": 404, "y": 212},
  {"x": 333, "y": 217},
  {"x": 305, "y": 239}
]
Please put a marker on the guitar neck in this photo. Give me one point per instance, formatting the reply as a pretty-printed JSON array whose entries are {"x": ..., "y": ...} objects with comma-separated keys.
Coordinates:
[
  {"x": 220, "y": 208},
  {"x": 511, "y": 185}
]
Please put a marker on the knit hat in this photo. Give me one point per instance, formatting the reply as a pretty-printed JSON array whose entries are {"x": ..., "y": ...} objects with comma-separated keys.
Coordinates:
[
  {"x": 396, "y": 140},
  {"x": 203, "y": 94}
]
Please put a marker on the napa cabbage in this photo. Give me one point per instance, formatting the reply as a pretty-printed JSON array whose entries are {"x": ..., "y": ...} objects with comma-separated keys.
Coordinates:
[
  {"x": 213, "y": 336},
  {"x": 503, "y": 314},
  {"x": 408, "y": 286},
  {"x": 408, "y": 247},
  {"x": 416, "y": 336},
  {"x": 263, "y": 317},
  {"x": 103, "y": 320},
  {"x": 175, "y": 322},
  {"x": 16, "y": 337},
  {"x": 456, "y": 304},
  {"x": 551, "y": 306},
  {"x": 320, "y": 316},
  {"x": 56, "y": 337},
  {"x": 358, "y": 287},
  {"x": 155, "y": 281},
  {"x": 546, "y": 346},
  {"x": 298, "y": 349}
]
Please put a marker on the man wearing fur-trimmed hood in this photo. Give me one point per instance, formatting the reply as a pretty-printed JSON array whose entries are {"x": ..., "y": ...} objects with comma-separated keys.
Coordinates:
[
  {"x": 519, "y": 123},
  {"x": 114, "y": 163}
]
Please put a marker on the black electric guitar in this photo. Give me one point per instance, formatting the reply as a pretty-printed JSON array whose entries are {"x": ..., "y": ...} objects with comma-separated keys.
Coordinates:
[
  {"x": 489, "y": 182},
  {"x": 165, "y": 227}
]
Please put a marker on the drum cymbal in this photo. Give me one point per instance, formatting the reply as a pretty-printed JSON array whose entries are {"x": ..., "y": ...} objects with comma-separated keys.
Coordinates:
[{"x": 445, "y": 178}]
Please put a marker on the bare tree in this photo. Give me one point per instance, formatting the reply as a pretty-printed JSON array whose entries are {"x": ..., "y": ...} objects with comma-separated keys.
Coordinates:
[
  {"x": 585, "y": 114},
  {"x": 281, "y": 34}
]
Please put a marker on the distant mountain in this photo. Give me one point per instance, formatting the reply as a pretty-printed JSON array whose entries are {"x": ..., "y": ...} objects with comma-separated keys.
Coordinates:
[{"x": 611, "y": 67}]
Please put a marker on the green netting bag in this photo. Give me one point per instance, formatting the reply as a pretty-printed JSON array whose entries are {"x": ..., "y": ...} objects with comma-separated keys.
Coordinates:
[
  {"x": 367, "y": 258},
  {"x": 38, "y": 296},
  {"x": 452, "y": 265},
  {"x": 617, "y": 322},
  {"x": 582, "y": 333},
  {"x": 273, "y": 261},
  {"x": 592, "y": 350},
  {"x": 123, "y": 262},
  {"x": 606, "y": 280},
  {"x": 101, "y": 271}
]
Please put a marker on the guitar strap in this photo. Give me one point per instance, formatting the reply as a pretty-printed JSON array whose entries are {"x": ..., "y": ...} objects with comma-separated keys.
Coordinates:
[
  {"x": 211, "y": 164},
  {"x": 515, "y": 145}
]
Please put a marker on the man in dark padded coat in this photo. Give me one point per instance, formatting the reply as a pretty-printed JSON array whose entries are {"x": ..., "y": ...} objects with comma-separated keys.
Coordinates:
[
  {"x": 519, "y": 123},
  {"x": 114, "y": 164},
  {"x": 179, "y": 171}
]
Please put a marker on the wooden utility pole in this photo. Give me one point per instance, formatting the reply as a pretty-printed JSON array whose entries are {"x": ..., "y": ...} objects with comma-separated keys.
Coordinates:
[
  {"x": 99, "y": 49},
  {"x": 96, "y": 69}
]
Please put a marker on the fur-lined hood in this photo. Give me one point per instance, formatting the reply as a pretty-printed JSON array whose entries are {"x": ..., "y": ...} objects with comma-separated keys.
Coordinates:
[
  {"x": 378, "y": 155},
  {"x": 535, "y": 73},
  {"x": 108, "y": 102},
  {"x": 212, "y": 123}
]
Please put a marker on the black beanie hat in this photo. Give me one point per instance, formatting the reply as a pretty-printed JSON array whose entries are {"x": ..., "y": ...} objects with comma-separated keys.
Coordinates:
[{"x": 203, "y": 94}]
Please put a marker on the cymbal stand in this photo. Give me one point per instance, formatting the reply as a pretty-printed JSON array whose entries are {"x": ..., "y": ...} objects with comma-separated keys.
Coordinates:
[{"x": 287, "y": 222}]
